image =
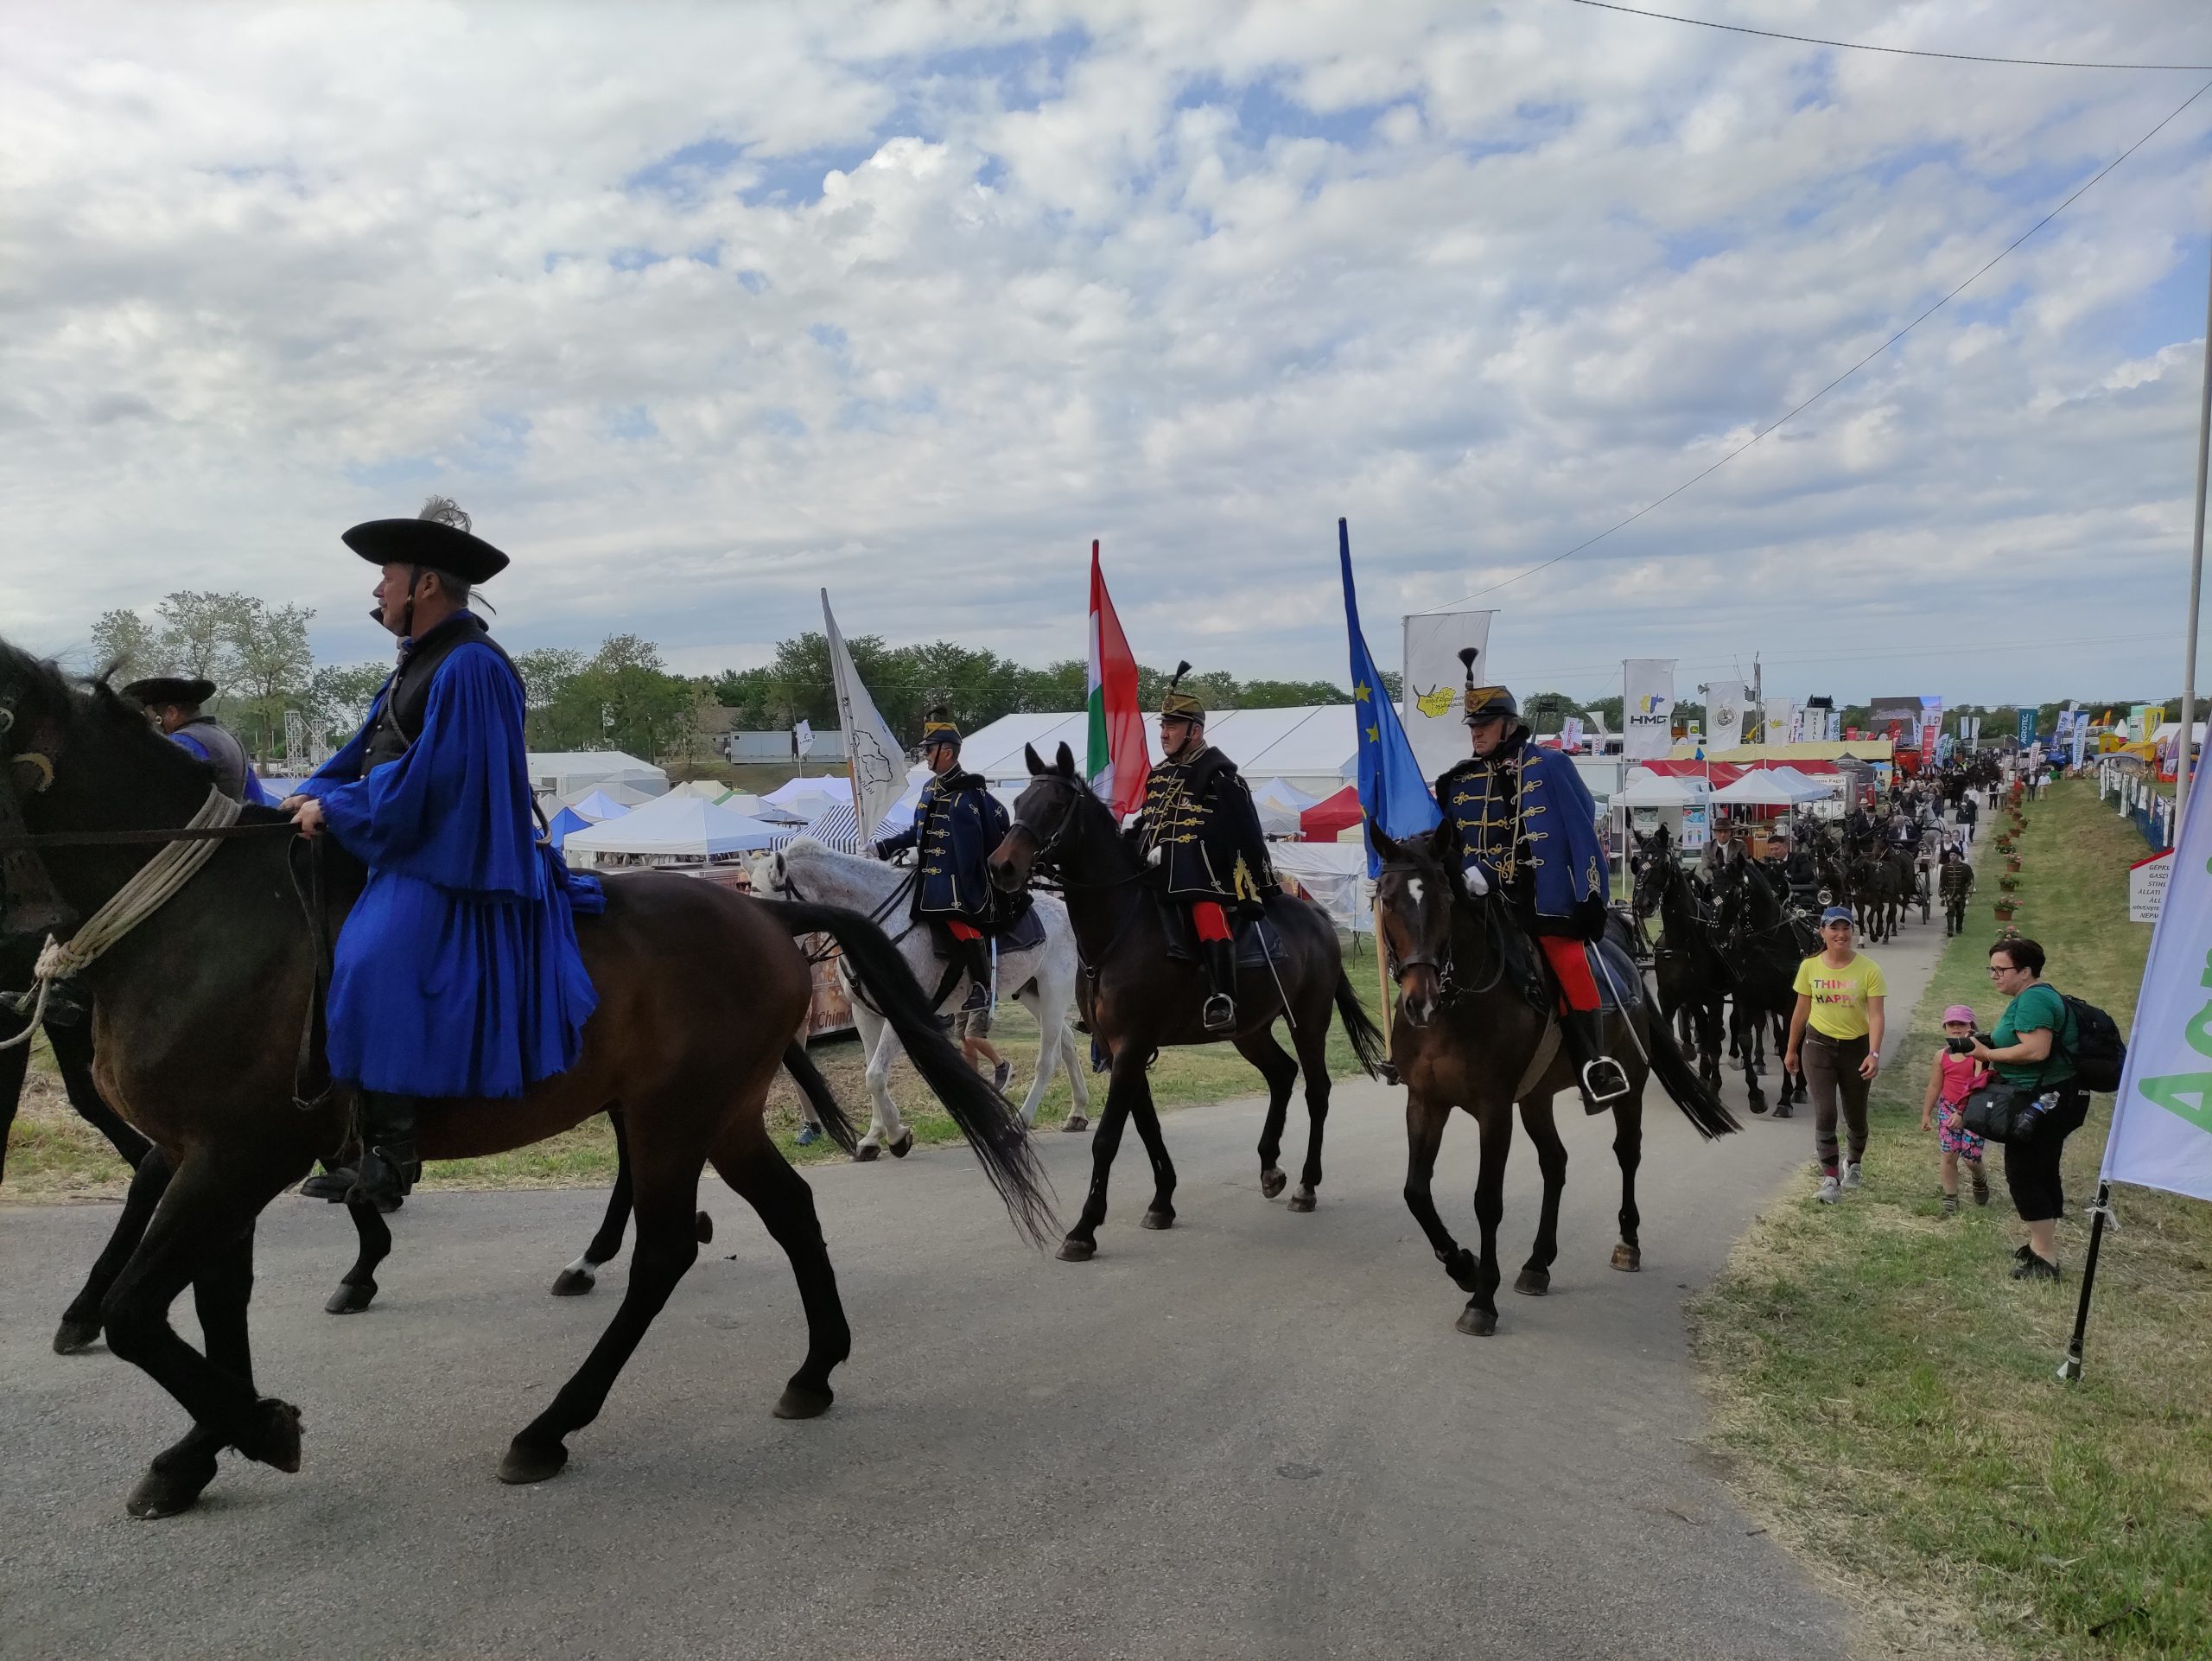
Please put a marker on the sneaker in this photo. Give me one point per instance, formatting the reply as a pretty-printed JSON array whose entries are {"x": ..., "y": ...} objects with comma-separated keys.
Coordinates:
[
  {"x": 1980, "y": 1187},
  {"x": 2034, "y": 1269},
  {"x": 808, "y": 1134},
  {"x": 1852, "y": 1179},
  {"x": 1831, "y": 1190},
  {"x": 1001, "y": 1075},
  {"x": 2021, "y": 1254},
  {"x": 1950, "y": 1205}
]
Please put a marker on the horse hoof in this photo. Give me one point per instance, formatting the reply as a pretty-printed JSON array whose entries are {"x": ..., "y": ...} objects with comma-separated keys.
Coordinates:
[
  {"x": 866, "y": 1152},
  {"x": 165, "y": 1493},
  {"x": 1758, "y": 1103},
  {"x": 1303, "y": 1200},
  {"x": 573, "y": 1282},
  {"x": 903, "y": 1147},
  {"x": 276, "y": 1442},
  {"x": 804, "y": 1401},
  {"x": 1271, "y": 1181},
  {"x": 1476, "y": 1323},
  {"x": 1628, "y": 1258},
  {"x": 349, "y": 1299},
  {"x": 1158, "y": 1218},
  {"x": 527, "y": 1461},
  {"x": 704, "y": 1227},
  {"x": 1462, "y": 1265},
  {"x": 1073, "y": 1250},
  {"x": 1075, "y": 1122},
  {"x": 1533, "y": 1283},
  {"x": 72, "y": 1337}
]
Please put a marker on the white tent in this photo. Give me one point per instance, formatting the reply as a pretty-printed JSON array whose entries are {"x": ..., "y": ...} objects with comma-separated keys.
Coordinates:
[
  {"x": 707, "y": 790},
  {"x": 835, "y": 786},
  {"x": 1644, "y": 788},
  {"x": 618, "y": 795},
  {"x": 674, "y": 827},
  {"x": 568, "y": 773},
  {"x": 1759, "y": 788},
  {"x": 1334, "y": 875},
  {"x": 760, "y": 807},
  {"x": 597, "y": 805},
  {"x": 1809, "y": 789}
]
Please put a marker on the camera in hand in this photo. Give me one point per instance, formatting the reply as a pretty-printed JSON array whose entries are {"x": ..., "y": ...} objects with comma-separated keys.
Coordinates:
[{"x": 1958, "y": 1046}]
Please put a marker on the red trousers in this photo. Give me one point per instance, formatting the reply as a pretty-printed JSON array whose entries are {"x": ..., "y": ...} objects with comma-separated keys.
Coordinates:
[
  {"x": 960, "y": 931},
  {"x": 1571, "y": 963},
  {"x": 1207, "y": 918}
]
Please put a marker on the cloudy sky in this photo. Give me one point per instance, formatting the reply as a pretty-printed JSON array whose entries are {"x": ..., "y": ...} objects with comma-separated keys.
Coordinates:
[{"x": 698, "y": 308}]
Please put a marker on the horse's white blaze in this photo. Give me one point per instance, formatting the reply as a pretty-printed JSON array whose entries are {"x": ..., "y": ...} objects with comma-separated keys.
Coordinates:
[{"x": 1414, "y": 888}]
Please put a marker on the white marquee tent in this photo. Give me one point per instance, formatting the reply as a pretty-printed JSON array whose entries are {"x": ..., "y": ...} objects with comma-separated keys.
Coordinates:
[
  {"x": 568, "y": 773},
  {"x": 672, "y": 829}
]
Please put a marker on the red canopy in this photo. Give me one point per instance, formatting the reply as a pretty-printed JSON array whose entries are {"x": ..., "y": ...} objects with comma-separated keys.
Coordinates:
[{"x": 1331, "y": 814}]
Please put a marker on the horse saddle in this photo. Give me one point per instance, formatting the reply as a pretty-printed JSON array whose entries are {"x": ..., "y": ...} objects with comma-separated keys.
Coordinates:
[
  {"x": 1620, "y": 984},
  {"x": 1024, "y": 933},
  {"x": 1257, "y": 937}
]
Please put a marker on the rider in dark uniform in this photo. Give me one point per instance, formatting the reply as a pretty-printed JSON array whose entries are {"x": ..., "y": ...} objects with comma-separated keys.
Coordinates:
[
  {"x": 956, "y": 825},
  {"x": 1521, "y": 820},
  {"x": 173, "y": 702},
  {"x": 1198, "y": 829}
]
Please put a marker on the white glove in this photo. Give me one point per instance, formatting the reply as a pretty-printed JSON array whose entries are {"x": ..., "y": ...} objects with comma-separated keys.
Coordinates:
[
  {"x": 1152, "y": 858},
  {"x": 1477, "y": 880}
]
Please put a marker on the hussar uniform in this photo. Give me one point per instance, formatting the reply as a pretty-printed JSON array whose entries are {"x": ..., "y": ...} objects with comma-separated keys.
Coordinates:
[{"x": 957, "y": 824}]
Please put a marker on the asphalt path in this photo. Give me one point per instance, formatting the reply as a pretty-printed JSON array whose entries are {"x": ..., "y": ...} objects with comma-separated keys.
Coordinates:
[{"x": 1256, "y": 1434}]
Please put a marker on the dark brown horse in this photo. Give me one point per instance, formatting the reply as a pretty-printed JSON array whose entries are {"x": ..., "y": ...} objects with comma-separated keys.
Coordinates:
[
  {"x": 1139, "y": 1000},
  {"x": 70, "y": 1034},
  {"x": 197, "y": 1014},
  {"x": 1465, "y": 1036}
]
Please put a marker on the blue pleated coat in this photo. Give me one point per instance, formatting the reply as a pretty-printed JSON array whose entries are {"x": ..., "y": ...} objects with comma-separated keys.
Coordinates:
[{"x": 457, "y": 973}]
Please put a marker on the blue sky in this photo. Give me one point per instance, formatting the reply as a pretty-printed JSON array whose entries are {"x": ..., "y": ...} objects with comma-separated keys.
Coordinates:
[{"x": 698, "y": 309}]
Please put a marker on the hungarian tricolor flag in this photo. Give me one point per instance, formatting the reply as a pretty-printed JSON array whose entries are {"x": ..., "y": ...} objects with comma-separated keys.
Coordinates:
[{"x": 1117, "y": 763}]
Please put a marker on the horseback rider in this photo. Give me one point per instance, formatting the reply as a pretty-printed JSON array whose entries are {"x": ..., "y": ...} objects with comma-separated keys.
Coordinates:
[
  {"x": 456, "y": 974},
  {"x": 1719, "y": 843},
  {"x": 174, "y": 703},
  {"x": 1521, "y": 820},
  {"x": 1198, "y": 829},
  {"x": 957, "y": 822}
]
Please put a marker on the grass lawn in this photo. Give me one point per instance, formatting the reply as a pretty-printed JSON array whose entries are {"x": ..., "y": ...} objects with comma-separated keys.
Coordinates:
[
  {"x": 1886, "y": 1394},
  {"x": 53, "y": 1154}
]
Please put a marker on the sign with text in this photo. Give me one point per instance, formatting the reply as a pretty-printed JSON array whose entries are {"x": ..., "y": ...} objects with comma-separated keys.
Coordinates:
[
  {"x": 2146, "y": 887},
  {"x": 1647, "y": 708},
  {"x": 1433, "y": 712}
]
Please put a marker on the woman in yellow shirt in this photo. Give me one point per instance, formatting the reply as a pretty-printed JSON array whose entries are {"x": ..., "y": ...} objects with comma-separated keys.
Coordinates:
[{"x": 1839, "y": 995}]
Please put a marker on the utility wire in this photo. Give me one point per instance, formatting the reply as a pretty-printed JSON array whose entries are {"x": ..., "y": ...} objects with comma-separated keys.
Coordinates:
[
  {"x": 1891, "y": 51},
  {"x": 2079, "y": 192}
]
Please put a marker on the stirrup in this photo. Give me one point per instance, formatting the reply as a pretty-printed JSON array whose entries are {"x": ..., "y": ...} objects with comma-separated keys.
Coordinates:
[
  {"x": 1610, "y": 1082},
  {"x": 1219, "y": 1013}
]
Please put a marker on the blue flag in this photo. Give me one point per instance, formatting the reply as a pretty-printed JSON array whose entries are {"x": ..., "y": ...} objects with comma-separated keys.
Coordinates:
[{"x": 1392, "y": 792}]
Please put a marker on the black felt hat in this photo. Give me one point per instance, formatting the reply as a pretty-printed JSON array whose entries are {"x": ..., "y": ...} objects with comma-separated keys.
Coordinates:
[
  {"x": 156, "y": 690},
  {"x": 440, "y": 539}
]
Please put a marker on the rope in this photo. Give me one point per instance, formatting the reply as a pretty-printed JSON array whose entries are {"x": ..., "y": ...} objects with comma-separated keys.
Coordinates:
[{"x": 150, "y": 888}]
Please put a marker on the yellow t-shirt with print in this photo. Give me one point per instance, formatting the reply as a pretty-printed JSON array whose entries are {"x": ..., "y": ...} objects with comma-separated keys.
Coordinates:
[{"x": 1840, "y": 995}]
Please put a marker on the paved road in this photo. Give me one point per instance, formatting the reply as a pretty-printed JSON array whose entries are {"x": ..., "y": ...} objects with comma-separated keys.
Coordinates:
[{"x": 1256, "y": 1436}]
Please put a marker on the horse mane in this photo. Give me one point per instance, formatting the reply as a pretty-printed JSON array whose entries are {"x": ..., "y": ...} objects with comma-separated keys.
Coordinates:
[{"x": 90, "y": 703}]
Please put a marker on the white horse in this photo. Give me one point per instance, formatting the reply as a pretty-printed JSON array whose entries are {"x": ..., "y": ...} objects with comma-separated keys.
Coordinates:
[{"x": 1042, "y": 979}]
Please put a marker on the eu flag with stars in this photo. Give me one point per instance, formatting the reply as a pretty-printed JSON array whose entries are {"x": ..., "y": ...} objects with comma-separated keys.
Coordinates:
[{"x": 1392, "y": 792}]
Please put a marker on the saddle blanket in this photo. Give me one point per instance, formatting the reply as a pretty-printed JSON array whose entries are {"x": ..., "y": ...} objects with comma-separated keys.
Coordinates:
[
  {"x": 1256, "y": 937},
  {"x": 1025, "y": 933}
]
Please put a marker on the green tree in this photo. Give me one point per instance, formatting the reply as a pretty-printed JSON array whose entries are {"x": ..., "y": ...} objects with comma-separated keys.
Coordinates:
[
  {"x": 126, "y": 643},
  {"x": 338, "y": 699},
  {"x": 623, "y": 698}
]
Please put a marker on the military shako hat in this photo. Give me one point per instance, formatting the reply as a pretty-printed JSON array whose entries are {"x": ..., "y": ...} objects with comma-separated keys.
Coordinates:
[
  {"x": 156, "y": 690},
  {"x": 1483, "y": 701},
  {"x": 939, "y": 728},
  {"x": 441, "y": 539},
  {"x": 1179, "y": 705}
]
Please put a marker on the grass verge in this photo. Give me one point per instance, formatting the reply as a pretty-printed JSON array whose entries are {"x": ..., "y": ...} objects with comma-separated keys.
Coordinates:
[
  {"x": 55, "y": 1155},
  {"x": 1887, "y": 1394}
]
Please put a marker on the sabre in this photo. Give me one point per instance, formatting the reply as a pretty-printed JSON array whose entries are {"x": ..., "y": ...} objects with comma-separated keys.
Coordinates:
[
  {"x": 992, "y": 1009},
  {"x": 1267, "y": 951}
]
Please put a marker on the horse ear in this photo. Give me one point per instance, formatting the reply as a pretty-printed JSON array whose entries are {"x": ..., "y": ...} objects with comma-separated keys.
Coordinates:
[
  {"x": 1385, "y": 844},
  {"x": 1036, "y": 761},
  {"x": 1065, "y": 762}
]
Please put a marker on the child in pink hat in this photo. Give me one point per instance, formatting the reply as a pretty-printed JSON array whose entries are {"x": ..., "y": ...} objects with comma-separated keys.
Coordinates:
[{"x": 1953, "y": 1078}]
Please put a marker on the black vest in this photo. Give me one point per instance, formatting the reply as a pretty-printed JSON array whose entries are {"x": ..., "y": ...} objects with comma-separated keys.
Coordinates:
[
  {"x": 225, "y": 754},
  {"x": 407, "y": 694}
]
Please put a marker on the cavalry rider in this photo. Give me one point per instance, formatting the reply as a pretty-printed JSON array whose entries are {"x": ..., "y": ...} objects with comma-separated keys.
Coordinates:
[
  {"x": 1523, "y": 823},
  {"x": 456, "y": 975},
  {"x": 957, "y": 822},
  {"x": 173, "y": 702},
  {"x": 1198, "y": 828}
]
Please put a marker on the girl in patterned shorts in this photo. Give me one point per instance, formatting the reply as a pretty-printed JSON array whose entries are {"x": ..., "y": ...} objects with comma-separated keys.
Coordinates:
[{"x": 1953, "y": 1078}]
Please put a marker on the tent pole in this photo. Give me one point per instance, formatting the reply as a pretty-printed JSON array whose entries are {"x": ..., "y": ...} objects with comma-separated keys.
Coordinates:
[
  {"x": 2070, "y": 1368},
  {"x": 2182, "y": 764}
]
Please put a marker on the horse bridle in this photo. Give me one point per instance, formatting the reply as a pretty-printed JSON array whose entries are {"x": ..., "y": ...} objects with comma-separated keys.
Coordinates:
[
  {"x": 1045, "y": 850},
  {"x": 1446, "y": 969}
]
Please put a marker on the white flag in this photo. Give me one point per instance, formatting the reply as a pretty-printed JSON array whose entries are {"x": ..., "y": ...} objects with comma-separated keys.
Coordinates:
[
  {"x": 1433, "y": 713},
  {"x": 2162, "y": 1118},
  {"x": 803, "y": 737},
  {"x": 1723, "y": 713},
  {"x": 872, "y": 757},
  {"x": 1647, "y": 708},
  {"x": 1796, "y": 723}
]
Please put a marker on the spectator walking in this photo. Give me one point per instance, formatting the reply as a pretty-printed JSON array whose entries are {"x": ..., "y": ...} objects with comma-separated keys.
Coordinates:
[
  {"x": 1955, "y": 1075},
  {"x": 971, "y": 1027},
  {"x": 1836, "y": 1029},
  {"x": 2032, "y": 1051}
]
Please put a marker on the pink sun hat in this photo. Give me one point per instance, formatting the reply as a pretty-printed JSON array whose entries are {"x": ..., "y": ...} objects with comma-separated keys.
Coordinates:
[{"x": 1958, "y": 1012}]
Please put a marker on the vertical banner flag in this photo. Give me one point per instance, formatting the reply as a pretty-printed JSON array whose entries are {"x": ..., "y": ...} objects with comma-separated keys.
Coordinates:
[
  {"x": 1647, "y": 708},
  {"x": 803, "y": 738},
  {"x": 1570, "y": 733},
  {"x": 873, "y": 759},
  {"x": 1796, "y": 722},
  {"x": 1723, "y": 713},
  {"x": 2027, "y": 728},
  {"x": 1433, "y": 641},
  {"x": 1931, "y": 724},
  {"x": 1116, "y": 762},
  {"x": 2162, "y": 1116},
  {"x": 1392, "y": 792}
]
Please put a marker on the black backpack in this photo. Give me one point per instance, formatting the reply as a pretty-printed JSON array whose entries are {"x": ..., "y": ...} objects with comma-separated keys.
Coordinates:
[{"x": 2098, "y": 1053}]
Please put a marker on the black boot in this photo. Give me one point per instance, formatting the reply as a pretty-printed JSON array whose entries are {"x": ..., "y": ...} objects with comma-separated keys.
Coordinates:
[
  {"x": 1601, "y": 1078},
  {"x": 977, "y": 954},
  {"x": 389, "y": 1164},
  {"x": 1220, "y": 959}
]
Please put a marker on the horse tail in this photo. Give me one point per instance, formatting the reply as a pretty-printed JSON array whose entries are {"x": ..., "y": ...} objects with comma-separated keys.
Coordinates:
[
  {"x": 993, "y": 1130},
  {"x": 1700, "y": 1105},
  {"x": 1367, "y": 1042},
  {"x": 816, "y": 1089}
]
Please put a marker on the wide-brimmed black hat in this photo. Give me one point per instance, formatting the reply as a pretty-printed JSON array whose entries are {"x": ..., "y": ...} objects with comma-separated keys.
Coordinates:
[
  {"x": 158, "y": 690},
  {"x": 434, "y": 540}
]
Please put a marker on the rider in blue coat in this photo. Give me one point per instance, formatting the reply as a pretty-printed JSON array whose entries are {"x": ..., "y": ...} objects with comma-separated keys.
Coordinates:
[
  {"x": 456, "y": 975},
  {"x": 957, "y": 824},
  {"x": 174, "y": 702}
]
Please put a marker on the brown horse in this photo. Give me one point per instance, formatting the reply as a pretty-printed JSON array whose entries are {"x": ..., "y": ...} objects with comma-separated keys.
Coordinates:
[
  {"x": 1138, "y": 1000},
  {"x": 197, "y": 1015},
  {"x": 1465, "y": 1036}
]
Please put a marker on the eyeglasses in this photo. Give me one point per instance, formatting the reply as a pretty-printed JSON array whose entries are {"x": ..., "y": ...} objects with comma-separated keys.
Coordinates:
[{"x": 2004, "y": 968}]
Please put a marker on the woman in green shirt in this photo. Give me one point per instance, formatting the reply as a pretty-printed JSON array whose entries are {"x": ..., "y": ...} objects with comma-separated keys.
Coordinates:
[{"x": 2033, "y": 1050}]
